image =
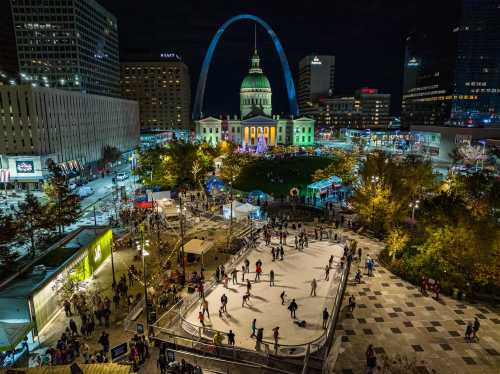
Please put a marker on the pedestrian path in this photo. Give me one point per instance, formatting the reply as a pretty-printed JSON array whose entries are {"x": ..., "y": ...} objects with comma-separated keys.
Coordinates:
[{"x": 397, "y": 319}]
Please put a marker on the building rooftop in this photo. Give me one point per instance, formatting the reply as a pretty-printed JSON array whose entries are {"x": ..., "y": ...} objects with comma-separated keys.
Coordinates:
[{"x": 29, "y": 280}]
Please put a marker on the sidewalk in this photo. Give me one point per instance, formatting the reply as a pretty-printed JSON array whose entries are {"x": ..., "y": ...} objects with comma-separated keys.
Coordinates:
[
  {"x": 102, "y": 282},
  {"x": 392, "y": 315}
]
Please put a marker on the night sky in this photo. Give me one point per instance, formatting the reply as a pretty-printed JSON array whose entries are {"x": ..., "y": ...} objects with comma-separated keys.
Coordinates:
[{"x": 366, "y": 36}]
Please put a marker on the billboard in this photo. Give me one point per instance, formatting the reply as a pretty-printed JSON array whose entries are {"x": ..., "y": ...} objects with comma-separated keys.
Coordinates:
[{"x": 25, "y": 167}]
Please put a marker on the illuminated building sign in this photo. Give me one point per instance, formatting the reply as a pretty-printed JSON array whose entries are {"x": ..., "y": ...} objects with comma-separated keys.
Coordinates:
[
  {"x": 370, "y": 91},
  {"x": 170, "y": 55},
  {"x": 413, "y": 62},
  {"x": 316, "y": 61},
  {"x": 25, "y": 167}
]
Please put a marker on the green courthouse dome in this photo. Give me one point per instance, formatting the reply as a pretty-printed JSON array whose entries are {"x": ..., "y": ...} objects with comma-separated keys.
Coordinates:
[{"x": 255, "y": 78}]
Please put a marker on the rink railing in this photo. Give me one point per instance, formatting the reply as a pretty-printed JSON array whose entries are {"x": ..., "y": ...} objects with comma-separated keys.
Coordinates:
[{"x": 307, "y": 350}]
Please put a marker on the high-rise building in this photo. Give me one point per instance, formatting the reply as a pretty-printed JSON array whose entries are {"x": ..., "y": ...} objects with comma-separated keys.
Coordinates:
[
  {"x": 68, "y": 44},
  {"x": 163, "y": 90},
  {"x": 452, "y": 73},
  {"x": 69, "y": 128},
  {"x": 366, "y": 109},
  {"x": 477, "y": 67},
  {"x": 316, "y": 79},
  {"x": 9, "y": 67}
]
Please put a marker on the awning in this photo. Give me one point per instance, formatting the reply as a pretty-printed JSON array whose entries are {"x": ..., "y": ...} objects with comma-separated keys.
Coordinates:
[
  {"x": 11, "y": 334},
  {"x": 86, "y": 368},
  {"x": 197, "y": 246}
]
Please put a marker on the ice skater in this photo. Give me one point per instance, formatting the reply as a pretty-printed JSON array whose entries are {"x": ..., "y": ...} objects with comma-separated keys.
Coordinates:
[
  {"x": 282, "y": 297},
  {"x": 293, "y": 308},
  {"x": 271, "y": 278},
  {"x": 314, "y": 285},
  {"x": 254, "y": 328},
  {"x": 327, "y": 272}
]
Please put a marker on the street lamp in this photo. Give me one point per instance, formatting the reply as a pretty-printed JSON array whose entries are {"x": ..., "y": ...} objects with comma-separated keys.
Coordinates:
[
  {"x": 141, "y": 247},
  {"x": 414, "y": 205},
  {"x": 374, "y": 179},
  {"x": 181, "y": 210}
]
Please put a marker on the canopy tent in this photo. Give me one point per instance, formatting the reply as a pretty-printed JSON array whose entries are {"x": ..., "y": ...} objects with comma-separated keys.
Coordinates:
[
  {"x": 11, "y": 334},
  {"x": 226, "y": 209},
  {"x": 214, "y": 184},
  {"x": 102, "y": 368},
  {"x": 257, "y": 196},
  {"x": 197, "y": 246}
]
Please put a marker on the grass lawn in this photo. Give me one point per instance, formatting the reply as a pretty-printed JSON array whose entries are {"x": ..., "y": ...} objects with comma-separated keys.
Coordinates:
[{"x": 278, "y": 176}]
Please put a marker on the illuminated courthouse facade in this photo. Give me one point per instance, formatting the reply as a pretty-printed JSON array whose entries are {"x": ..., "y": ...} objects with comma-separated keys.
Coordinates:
[{"x": 257, "y": 121}]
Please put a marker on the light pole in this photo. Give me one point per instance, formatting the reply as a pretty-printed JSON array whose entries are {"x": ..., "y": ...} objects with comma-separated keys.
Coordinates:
[
  {"x": 141, "y": 247},
  {"x": 414, "y": 205},
  {"x": 180, "y": 211},
  {"x": 113, "y": 263},
  {"x": 374, "y": 181},
  {"x": 230, "y": 217}
]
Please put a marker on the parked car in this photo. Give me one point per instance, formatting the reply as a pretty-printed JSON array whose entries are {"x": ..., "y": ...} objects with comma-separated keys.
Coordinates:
[
  {"x": 85, "y": 191},
  {"x": 121, "y": 176}
]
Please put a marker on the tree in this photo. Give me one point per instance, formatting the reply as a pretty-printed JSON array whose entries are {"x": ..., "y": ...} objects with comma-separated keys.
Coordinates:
[
  {"x": 342, "y": 166},
  {"x": 64, "y": 206},
  {"x": 8, "y": 232},
  {"x": 110, "y": 154},
  {"x": 31, "y": 213}
]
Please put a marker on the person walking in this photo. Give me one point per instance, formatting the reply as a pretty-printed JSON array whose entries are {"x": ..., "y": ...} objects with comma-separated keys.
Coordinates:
[
  {"x": 204, "y": 306},
  {"x": 276, "y": 336},
  {"x": 371, "y": 359},
  {"x": 314, "y": 285},
  {"x": 326, "y": 315},
  {"x": 357, "y": 277},
  {"x": 201, "y": 318},
  {"x": 293, "y": 308},
  {"x": 73, "y": 327},
  {"x": 327, "y": 272},
  {"x": 234, "y": 276},
  {"x": 468, "y": 332},
  {"x": 271, "y": 278},
  {"x": 161, "y": 363},
  {"x": 352, "y": 303},
  {"x": 475, "y": 328},
  {"x": 254, "y": 328},
  {"x": 230, "y": 338}
]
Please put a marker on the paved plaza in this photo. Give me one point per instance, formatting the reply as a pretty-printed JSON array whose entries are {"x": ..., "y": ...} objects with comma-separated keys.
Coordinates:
[
  {"x": 397, "y": 319},
  {"x": 292, "y": 275}
]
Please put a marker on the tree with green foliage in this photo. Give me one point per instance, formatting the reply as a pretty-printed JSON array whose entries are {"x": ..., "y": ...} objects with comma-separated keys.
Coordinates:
[
  {"x": 342, "y": 166},
  {"x": 175, "y": 164},
  {"x": 110, "y": 154},
  {"x": 64, "y": 206},
  {"x": 8, "y": 232},
  {"x": 387, "y": 187},
  {"x": 32, "y": 215}
]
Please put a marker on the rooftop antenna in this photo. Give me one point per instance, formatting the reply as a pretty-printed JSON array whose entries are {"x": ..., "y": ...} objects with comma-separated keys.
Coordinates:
[{"x": 255, "y": 36}]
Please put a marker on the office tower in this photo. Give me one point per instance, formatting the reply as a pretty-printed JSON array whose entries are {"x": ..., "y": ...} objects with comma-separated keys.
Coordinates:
[
  {"x": 366, "y": 109},
  {"x": 162, "y": 89},
  {"x": 9, "y": 67},
  {"x": 70, "y": 128},
  {"x": 316, "y": 80},
  {"x": 452, "y": 72},
  {"x": 477, "y": 68},
  {"x": 68, "y": 44}
]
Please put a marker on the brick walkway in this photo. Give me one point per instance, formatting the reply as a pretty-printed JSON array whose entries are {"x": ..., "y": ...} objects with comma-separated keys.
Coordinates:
[{"x": 392, "y": 315}]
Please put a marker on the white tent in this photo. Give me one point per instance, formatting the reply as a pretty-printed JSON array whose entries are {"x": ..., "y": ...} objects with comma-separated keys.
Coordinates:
[
  {"x": 246, "y": 208},
  {"x": 197, "y": 246},
  {"x": 226, "y": 209}
]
